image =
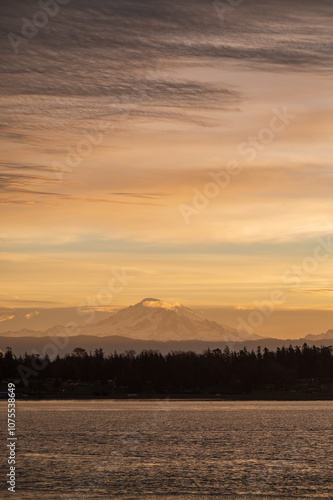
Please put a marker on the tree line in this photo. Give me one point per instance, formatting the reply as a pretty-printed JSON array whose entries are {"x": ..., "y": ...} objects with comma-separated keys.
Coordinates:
[{"x": 212, "y": 371}]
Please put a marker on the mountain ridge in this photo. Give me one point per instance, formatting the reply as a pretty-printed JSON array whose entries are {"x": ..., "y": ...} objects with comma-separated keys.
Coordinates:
[
  {"x": 152, "y": 319},
  {"x": 112, "y": 343}
]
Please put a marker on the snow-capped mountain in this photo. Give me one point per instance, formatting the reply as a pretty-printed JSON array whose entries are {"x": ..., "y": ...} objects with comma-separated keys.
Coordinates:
[
  {"x": 150, "y": 319},
  {"x": 57, "y": 330},
  {"x": 327, "y": 335},
  {"x": 153, "y": 319}
]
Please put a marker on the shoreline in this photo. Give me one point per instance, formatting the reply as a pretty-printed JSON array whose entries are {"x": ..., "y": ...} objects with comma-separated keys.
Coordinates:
[{"x": 177, "y": 397}]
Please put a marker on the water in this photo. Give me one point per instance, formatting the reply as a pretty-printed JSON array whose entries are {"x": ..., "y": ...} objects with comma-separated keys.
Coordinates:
[{"x": 176, "y": 449}]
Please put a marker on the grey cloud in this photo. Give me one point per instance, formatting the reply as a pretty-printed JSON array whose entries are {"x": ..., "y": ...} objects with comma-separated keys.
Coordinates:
[
  {"x": 108, "y": 50},
  {"x": 19, "y": 184},
  {"x": 115, "y": 60},
  {"x": 132, "y": 33},
  {"x": 12, "y": 167},
  {"x": 21, "y": 188}
]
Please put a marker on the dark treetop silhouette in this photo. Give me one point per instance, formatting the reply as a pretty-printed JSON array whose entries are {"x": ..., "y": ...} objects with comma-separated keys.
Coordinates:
[{"x": 300, "y": 369}]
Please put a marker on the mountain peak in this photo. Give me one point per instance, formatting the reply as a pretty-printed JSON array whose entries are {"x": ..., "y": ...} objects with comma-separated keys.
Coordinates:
[
  {"x": 158, "y": 304},
  {"x": 153, "y": 319}
]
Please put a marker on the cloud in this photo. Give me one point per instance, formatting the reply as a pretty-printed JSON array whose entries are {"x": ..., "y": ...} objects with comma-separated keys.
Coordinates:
[
  {"x": 21, "y": 182},
  {"x": 20, "y": 185},
  {"x": 111, "y": 58},
  {"x": 161, "y": 304},
  {"x": 316, "y": 291},
  {"x": 31, "y": 315},
  {"x": 126, "y": 62},
  {"x": 6, "y": 318}
]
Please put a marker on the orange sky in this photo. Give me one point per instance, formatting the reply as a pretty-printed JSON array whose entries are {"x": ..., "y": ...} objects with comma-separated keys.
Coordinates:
[{"x": 116, "y": 123}]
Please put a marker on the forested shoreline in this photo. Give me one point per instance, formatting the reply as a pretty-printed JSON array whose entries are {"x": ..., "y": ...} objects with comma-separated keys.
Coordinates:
[{"x": 290, "y": 369}]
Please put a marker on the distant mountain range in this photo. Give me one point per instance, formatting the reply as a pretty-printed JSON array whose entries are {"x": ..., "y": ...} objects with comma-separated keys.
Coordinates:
[
  {"x": 109, "y": 344},
  {"x": 151, "y": 319},
  {"x": 321, "y": 336},
  {"x": 150, "y": 324}
]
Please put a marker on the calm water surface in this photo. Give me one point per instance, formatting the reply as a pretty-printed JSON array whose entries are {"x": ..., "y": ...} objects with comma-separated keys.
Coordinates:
[{"x": 176, "y": 449}]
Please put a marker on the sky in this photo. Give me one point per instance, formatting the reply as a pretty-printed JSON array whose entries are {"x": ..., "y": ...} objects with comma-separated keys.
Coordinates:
[{"x": 177, "y": 150}]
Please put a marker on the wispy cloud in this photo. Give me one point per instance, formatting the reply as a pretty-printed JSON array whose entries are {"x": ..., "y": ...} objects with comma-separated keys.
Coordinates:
[
  {"x": 119, "y": 55},
  {"x": 31, "y": 315},
  {"x": 318, "y": 291},
  {"x": 6, "y": 318}
]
